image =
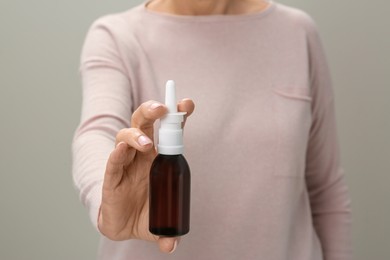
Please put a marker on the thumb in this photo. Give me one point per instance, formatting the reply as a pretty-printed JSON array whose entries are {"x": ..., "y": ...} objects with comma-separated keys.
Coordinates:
[{"x": 168, "y": 244}]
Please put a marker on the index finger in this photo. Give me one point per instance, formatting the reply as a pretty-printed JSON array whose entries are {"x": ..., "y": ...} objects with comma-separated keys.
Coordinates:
[
  {"x": 186, "y": 105},
  {"x": 146, "y": 114}
]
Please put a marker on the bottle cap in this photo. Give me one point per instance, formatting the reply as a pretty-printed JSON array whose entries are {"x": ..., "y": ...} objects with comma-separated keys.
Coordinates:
[{"x": 170, "y": 134}]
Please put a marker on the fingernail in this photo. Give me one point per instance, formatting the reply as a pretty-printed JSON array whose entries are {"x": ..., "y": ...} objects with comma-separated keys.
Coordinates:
[
  {"x": 143, "y": 140},
  {"x": 174, "y": 247},
  {"x": 155, "y": 105}
]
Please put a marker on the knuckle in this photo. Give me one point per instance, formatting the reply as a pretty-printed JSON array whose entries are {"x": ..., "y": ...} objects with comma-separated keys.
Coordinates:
[
  {"x": 121, "y": 133},
  {"x": 142, "y": 116},
  {"x": 124, "y": 135},
  {"x": 134, "y": 132},
  {"x": 148, "y": 116},
  {"x": 145, "y": 106}
]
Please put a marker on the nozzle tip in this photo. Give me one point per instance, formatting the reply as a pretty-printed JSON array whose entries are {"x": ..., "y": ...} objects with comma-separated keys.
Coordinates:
[{"x": 170, "y": 83}]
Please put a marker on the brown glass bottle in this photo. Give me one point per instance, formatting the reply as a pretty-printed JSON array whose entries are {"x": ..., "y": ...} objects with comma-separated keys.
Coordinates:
[{"x": 169, "y": 196}]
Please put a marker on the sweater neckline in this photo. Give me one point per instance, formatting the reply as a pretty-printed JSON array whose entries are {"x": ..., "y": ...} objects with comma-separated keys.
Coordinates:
[{"x": 208, "y": 18}]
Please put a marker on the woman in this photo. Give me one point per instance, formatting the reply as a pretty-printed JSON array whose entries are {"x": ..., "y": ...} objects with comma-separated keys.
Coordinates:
[{"x": 262, "y": 145}]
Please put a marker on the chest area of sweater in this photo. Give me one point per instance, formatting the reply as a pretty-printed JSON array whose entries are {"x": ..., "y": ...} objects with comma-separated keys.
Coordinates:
[{"x": 230, "y": 53}]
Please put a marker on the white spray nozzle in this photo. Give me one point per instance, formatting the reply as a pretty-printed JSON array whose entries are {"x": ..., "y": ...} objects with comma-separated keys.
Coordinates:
[
  {"x": 170, "y": 96},
  {"x": 170, "y": 132}
]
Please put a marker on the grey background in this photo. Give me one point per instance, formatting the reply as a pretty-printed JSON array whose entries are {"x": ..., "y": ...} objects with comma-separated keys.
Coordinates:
[{"x": 40, "y": 42}]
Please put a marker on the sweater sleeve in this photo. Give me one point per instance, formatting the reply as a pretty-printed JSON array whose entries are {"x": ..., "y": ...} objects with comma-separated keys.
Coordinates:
[
  {"x": 328, "y": 192},
  {"x": 106, "y": 108}
]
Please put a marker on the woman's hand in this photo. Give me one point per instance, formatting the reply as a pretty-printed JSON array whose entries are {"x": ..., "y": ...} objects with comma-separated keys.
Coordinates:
[{"x": 124, "y": 211}]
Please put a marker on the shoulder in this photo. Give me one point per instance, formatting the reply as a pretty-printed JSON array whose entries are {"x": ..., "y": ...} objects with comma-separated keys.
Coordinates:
[
  {"x": 112, "y": 35},
  {"x": 296, "y": 18},
  {"x": 118, "y": 23},
  {"x": 114, "y": 31}
]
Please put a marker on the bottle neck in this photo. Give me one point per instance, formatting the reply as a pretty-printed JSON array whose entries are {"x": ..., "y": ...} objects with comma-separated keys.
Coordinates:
[{"x": 170, "y": 134}]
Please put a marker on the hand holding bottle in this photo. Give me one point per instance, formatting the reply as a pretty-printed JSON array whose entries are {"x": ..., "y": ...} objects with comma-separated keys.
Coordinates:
[{"x": 124, "y": 211}]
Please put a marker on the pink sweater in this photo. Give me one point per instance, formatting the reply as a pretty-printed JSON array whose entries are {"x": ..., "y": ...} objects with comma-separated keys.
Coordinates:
[{"x": 262, "y": 144}]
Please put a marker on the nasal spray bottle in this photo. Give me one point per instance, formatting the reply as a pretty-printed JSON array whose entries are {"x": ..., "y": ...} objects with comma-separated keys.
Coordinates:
[{"x": 170, "y": 179}]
